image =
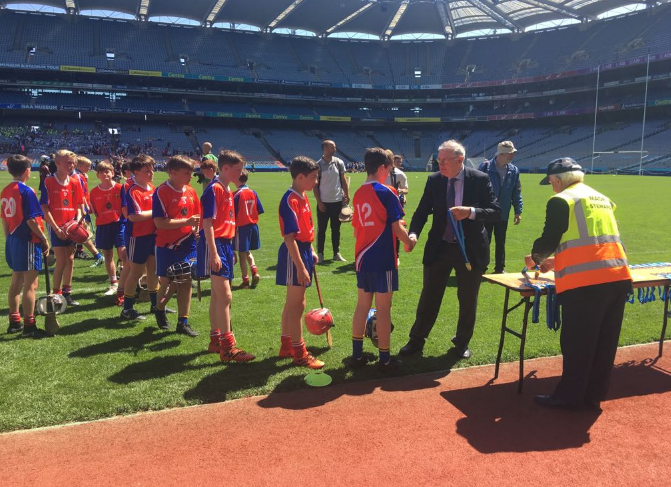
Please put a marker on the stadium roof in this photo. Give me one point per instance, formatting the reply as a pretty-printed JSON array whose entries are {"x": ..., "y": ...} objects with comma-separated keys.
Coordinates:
[{"x": 380, "y": 18}]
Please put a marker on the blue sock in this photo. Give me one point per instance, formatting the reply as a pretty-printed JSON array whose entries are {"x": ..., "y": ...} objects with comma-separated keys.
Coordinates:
[
  {"x": 183, "y": 320},
  {"x": 385, "y": 356},
  {"x": 99, "y": 256},
  {"x": 128, "y": 302},
  {"x": 152, "y": 298},
  {"x": 357, "y": 347}
]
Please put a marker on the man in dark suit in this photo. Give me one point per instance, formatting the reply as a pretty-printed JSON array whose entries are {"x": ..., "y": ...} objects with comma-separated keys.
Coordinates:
[{"x": 468, "y": 194}]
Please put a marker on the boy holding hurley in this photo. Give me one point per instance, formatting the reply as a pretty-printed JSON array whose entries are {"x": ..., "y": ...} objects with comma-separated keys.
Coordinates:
[
  {"x": 176, "y": 213},
  {"x": 296, "y": 259},
  {"x": 62, "y": 200},
  {"x": 24, "y": 247}
]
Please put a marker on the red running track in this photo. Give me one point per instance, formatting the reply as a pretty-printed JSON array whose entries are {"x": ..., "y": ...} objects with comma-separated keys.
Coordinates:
[{"x": 450, "y": 428}]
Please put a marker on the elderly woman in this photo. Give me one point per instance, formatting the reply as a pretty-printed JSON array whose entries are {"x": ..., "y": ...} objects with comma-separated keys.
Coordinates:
[{"x": 592, "y": 280}]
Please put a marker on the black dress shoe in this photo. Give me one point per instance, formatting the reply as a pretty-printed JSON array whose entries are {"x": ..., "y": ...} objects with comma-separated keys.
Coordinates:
[
  {"x": 463, "y": 352},
  {"x": 392, "y": 366},
  {"x": 356, "y": 363},
  {"x": 411, "y": 348},
  {"x": 553, "y": 402}
]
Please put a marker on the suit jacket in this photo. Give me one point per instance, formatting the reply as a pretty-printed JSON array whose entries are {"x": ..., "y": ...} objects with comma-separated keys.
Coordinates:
[{"x": 478, "y": 193}]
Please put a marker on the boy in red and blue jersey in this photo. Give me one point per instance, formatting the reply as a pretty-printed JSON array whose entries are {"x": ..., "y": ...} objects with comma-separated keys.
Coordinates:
[
  {"x": 142, "y": 241},
  {"x": 247, "y": 210},
  {"x": 81, "y": 174},
  {"x": 105, "y": 204},
  {"x": 216, "y": 255},
  {"x": 296, "y": 259},
  {"x": 25, "y": 245},
  {"x": 176, "y": 213},
  {"x": 62, "y": 200},
  {"x": 377, "y": 225}
]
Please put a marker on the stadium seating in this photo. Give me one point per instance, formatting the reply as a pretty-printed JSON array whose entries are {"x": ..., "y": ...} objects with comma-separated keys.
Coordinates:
[{"x": 81, "y": 41}]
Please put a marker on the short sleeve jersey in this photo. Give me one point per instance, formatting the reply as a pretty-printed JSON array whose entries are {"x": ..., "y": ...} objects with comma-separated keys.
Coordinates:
[
  {"x": 19, "y": 204},
  {"x": 248, "y": 206},
  {"x": 376, "y": 207},
  {"x": 84, "y": 181},
  {"x": 106, "y": 204},
  {"x": 139, "y": 199},
  {"x": 296, "y": 216},
  {"x": 176, "y": 205},
  {"x": 217, "y": 204},
  {"x": 124, "y": 190},
  {"x": 63, "y": 199}
]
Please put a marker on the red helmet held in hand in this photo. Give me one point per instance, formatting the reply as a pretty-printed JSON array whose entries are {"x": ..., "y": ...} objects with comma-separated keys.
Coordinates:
[
  {"x": 76, "y": 231},
  {"x": 318, "y": 321}
]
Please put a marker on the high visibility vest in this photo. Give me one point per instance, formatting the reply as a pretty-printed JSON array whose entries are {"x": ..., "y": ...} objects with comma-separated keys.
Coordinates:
[{"x": 590, "y": 251}]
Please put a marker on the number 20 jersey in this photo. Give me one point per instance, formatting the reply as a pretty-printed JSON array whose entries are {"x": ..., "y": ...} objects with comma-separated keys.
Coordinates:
[{"x": 376, "y": 207}]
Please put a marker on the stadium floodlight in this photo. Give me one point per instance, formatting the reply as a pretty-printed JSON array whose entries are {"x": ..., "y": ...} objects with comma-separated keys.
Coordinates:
[
  {"x": 215, "y": 10},
  {"x": 144, "y": 8},
  {"x": 394, "y": 20},
  {"x": 286, "y": 12},
  {"x": 349, "y": 17}
]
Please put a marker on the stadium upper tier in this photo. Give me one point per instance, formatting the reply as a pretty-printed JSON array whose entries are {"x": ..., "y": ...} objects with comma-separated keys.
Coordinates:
[{"x": 105, "y": 44}]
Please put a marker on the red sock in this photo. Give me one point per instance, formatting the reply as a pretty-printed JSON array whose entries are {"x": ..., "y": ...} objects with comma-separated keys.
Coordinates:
[
  {"x": 215, "y": 336},
  {"x": 29, "y": 320},
  {"x": 286, "y": 342},
  {"x": 113, "y": 281},
  {"x": 227, "y": 341},
  {"x": 299, "y": 349},
  {"x": 58, "y": 291},
  {"x": 15, "y": 317},
  {"x": 255, "y": 270}
]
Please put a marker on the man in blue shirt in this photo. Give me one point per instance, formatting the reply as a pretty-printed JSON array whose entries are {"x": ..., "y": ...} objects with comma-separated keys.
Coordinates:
[{"x": 505, "y": 178}]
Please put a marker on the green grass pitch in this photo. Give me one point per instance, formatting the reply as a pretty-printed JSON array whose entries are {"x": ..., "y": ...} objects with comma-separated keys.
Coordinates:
[{"x": 99, "y": 366}]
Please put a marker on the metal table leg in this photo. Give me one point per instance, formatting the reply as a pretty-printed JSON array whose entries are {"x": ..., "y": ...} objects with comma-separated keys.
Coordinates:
[
  {"x": 665, "y": 320},
  {"x": 503, "y": 334},
  {"x": 523, "y": 339}
]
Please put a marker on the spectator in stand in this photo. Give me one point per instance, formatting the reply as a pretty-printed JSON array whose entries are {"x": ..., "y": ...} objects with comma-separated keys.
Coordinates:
[{"x": 505, "y": 179}]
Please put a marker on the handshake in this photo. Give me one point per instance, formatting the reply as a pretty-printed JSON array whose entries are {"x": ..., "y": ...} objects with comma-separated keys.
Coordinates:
[{"x": 410, "y": 244}]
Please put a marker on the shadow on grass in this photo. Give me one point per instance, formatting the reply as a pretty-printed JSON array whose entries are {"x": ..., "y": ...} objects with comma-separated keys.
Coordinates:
[
  {"x": 101, "y": 279},
  {"x": 92, "y": 324},
  {"x": 345, "y": 269},
  {"x": 159, "y": 367},
  {"x": 497, "y": 419},
  {"x": 233, "y": 377},
  {"x": 357, "y": 382},
  {"x": 128, "y": 344}
]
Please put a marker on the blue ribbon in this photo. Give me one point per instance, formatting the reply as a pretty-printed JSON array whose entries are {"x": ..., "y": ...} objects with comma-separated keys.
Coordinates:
[
  {"x": 552, "y": 312},
  {"x": 459, "y": 233}
]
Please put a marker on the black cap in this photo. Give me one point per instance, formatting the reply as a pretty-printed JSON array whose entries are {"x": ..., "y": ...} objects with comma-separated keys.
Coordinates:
[{"x": 558, "y": 166}]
